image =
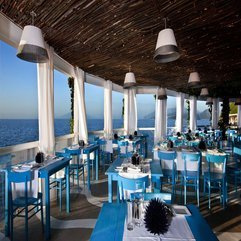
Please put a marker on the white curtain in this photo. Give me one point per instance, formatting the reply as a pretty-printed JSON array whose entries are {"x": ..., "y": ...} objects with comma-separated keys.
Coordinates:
[
  {"x": 179, "y": 111},
  {"x": 108, "y": 127},
  {"x": 239, "y": 116},
  {"x": 160, "y": 120},
  {"x": 193, "y": 113},
  {"x": 46, "y": 105},
  {"x": 215, "y": 113},
  {"x": 80, "y": 124},
  {"x": 132, "y": 120}
]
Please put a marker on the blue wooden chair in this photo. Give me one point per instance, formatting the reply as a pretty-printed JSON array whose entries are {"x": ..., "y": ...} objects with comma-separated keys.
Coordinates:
[
  {"x": 76, "y": 169},
  {"x": 215, "y": 177},
  {"x": 132, "y": 185},
  {"x": 23, "y": 206},
  {"x": 123, "y": 145},
  {"x": 191, "y": 173},
  {"x": 167, "y": 161},
  {"x": 58, "y": 182},
  {"x": 105, "y": 156},
  {"x": 165, "y": 197}
]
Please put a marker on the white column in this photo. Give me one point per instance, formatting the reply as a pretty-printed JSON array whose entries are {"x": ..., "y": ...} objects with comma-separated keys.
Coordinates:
[
  {"x": 46, "y": 104},
  {"x": 132, "y": 123},
  {"x": 160, "y": 120},
  {"x": 193, "y": 113},
  {"x": 239, "y": 116},
  {"x": 179, "y": 111},
  {"x": 108, "y": 127},
  {"x": 126, "y": 111},
  {"x": 215, "y": 113}
]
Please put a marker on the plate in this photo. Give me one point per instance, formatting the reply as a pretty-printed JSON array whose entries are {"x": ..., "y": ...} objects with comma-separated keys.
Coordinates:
[{"x": 180, "y": 210}]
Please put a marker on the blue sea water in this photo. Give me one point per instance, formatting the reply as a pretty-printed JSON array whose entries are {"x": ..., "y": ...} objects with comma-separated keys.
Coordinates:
[{"x": 17, "y": 131}]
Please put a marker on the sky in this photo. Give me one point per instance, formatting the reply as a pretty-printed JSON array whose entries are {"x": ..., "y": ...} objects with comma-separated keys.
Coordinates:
[{"x": 19, "y": 97}]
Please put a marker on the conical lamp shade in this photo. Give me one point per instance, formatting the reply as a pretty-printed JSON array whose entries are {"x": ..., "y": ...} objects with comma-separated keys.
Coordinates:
[
  {"x": 162, "y": 94},
  {"x": 31, "y": 47},
  {"x": 238, "y": 101},
  {"x": 209, "y": 101},
  {"x": 166, "y": 47},
  {"x": 130, "y": 80},
  {"x": 194, "y": 79},
  {"x": 204, "y": 92}
]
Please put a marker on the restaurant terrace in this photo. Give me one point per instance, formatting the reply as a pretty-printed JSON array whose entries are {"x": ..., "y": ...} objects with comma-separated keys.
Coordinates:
[{"x": 133, "y": 182}]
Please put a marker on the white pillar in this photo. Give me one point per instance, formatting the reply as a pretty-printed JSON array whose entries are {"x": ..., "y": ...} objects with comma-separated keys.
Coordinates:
[
  {"x": 215, "y": 113},
  {"x": 239, "y": 116},
  {"x": 160, "y": 120},
  {"x": 179, "y": 111},
  {"x": 132, "y": 116},
  {"x": 108, "y": 126},
  {"x": 193, "y": 113},
  {"x": 126, "y": 111}
]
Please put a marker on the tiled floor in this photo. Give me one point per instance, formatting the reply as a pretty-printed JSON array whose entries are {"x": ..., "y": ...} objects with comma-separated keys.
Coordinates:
[{"x": 85, "y": 207}]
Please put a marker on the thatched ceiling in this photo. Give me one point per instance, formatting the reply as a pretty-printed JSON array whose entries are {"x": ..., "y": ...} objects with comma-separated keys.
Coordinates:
[{"x": 105, "y": 37}]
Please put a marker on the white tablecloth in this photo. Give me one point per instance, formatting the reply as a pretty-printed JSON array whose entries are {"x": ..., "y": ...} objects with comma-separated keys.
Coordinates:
[{"x": 179, "y": 230}]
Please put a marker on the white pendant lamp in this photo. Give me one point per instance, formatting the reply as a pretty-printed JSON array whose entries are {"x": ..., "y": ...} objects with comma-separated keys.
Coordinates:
[
  {"x": 31, "y": 47},
  {"x": 166, "y": 46},
  {"x": 194, "y": 79},
  {"x": 162, "y": 95},
  {"x": 130, "y": 80},
  {"x": 209, "y": 101},
  {"x": 238, "y": 101},
  {"x": 204, "y": 92}
]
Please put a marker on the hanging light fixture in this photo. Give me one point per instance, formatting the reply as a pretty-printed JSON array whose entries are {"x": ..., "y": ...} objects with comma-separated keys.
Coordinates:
[
  {"x": 209, "y": 101},
  {"x": 130, "y": 80},
  {"x": 194, "y": 80},
  {"x": 166, "y": 46},
  {"x": 31, "y": 47},
  {"x": 204, "y": 92},
  {"x": 238, "y": 101},
  {"x": 162, "y": 95}
]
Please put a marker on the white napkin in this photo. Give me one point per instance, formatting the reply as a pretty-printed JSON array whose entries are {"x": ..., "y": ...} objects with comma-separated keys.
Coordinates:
[{"x": 179, "y": 230}]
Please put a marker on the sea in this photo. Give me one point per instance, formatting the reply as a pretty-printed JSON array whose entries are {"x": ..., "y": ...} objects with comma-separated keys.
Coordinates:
[{"x": 17, "y": 131}]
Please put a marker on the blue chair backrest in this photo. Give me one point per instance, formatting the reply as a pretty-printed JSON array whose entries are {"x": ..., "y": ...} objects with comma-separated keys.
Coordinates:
[
  {"x": 167, "y": 159},
  {"x": 167, "y": 155},
  {"x": 189, "y": 166},
  {"x": 216, "y": 159},
  {"x": 132, "y": 184},
  {"x": 19, "y": 177}
]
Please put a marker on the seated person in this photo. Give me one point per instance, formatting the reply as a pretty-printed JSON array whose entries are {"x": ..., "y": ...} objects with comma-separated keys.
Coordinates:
[{"x": 135, "y": 133}]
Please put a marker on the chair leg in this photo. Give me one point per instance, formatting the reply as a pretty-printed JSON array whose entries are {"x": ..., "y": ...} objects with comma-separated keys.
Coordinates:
[
  {"x": 42, "y": 216},
  {"x": 185, "y": 191},
  {"x": 198, "y": 192},
  {"x": 209, "y": 195},
  {"x": 26, "y": 223},
  {"x": 60, "y": 195}
]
